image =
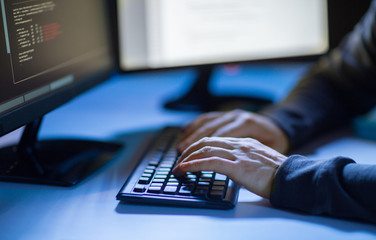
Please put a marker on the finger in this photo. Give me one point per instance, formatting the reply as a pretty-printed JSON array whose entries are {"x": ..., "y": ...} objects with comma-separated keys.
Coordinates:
[
  {"x": 204, "y": 118},
  {"x": 205, "y": 145},
  {"x": 186, "y": 138},
  {"x": 243, "y": 125},
  {"x": 205, "y": 130},
  {"x": 215, "y": 164},
  {"x": 230, "y": 130},
  {"x": 208, "y": 151}
]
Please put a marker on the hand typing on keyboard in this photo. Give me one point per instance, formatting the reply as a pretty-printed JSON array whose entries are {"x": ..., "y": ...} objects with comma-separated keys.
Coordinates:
[
  {"x": 152, "y": 181},
  {"x": 236, "y": 123},
  {"x": 244, "y": 160}
]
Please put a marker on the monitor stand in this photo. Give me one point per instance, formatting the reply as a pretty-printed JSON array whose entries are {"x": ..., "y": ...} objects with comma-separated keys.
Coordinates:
[
  {"x": 53, "y": 162},
  {"x": 199, "y": 98}
]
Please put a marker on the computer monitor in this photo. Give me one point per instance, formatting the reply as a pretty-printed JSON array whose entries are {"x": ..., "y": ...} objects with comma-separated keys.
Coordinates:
[
  {"x": 50, "y": 51},
  {"x": 158, "y": 34}
]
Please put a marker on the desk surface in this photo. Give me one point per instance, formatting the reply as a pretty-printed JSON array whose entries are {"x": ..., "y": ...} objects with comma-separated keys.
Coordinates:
[{"x": 129, "y": 109}]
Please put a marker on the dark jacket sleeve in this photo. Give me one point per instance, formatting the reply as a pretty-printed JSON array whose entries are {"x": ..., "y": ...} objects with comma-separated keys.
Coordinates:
[
  {"x": 337, "y": 187},
  {"x": 338, "y": 87}
]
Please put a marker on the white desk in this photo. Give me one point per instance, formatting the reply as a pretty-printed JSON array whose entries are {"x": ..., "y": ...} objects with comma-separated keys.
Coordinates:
[{"x": 130, "y": 109}]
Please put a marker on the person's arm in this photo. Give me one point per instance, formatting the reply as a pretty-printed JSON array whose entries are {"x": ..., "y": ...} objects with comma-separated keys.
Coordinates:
[
  {"x": 338, "y": 187},
  {"x": 337, "y": 88},
  {"x": 340, "y": 86}
]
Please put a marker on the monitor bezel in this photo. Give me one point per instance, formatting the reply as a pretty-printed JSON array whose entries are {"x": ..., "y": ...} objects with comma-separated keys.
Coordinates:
[{"x": 30, "y": 111}]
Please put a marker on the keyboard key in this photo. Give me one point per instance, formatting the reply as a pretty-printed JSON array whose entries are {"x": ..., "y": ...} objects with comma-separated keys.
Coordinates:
[
  {"x": 170, "y": 189},
  {"x": 167, "y": 165},
  {"x": 146, "y": 175},
  {"x": 189, "y": 184},
  {"x": 154, "y": 189},
  {"x": 187, "y": 188},
  {"x": 156, "y": 184},
  {"x": 168, "y": 161},
  {"x": 191, "y": 176},
  {"x": 216, "y": 195},
  {"x": 203, "y": 184},
  {"x": 164, "y": 176},
  {"x": 172, "y": 184},
  {"x": 173, "y": 180},
  {"x": 220, "y": 177},
  {"x": 207, "y": 175},
  {"x": 218, "y": 188},
  {"x": 156, "y": 158},
  {"x": 185, "y": 192},
  {"x": 144, "y": 180},
  {"x": 149, "y": 171},
  {"x": 153, "y": 163},
  {"x": 201, "y": 192},
  {"x": 204, "y": 179},
  {"x": 151, "y": 167},
  {"x": 158, "y": 180},
  {"x": 139, "y": 188},
  {"x": 219, "y": 183}
]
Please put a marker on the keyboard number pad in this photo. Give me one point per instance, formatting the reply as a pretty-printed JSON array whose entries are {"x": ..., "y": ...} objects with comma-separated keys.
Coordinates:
[{"x": 203, "y": 185}]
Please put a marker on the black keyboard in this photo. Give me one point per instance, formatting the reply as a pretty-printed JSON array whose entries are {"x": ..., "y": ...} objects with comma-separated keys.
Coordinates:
[{"x": 152, "y": 182}]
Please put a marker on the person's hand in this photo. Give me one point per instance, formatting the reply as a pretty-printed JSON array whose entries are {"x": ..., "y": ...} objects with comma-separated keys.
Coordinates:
[
  {"x": 236, "y": 123},
  {"x": 244, "y": 160}
]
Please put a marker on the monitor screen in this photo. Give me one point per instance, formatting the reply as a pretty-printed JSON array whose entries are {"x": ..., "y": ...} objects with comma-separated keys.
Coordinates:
[
  {"x": 50, "y": 51},
  {"x": 170, "y": 33}
]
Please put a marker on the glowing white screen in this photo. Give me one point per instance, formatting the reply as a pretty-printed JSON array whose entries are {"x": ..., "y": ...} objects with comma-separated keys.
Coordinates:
[{"x": 168, "y": 33}]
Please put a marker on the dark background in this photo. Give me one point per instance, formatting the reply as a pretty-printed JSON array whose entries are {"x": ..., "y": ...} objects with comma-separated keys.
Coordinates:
[{"x": 343, "y": 15}]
